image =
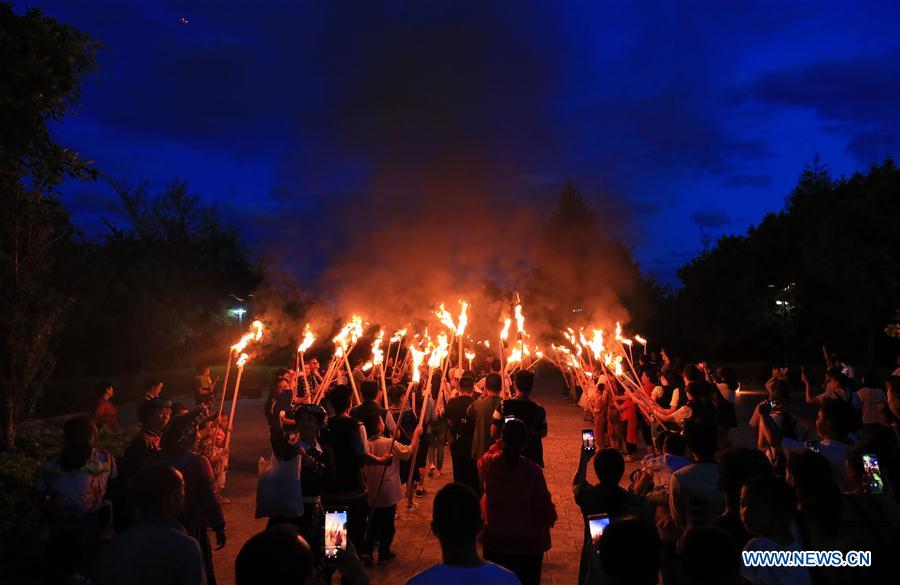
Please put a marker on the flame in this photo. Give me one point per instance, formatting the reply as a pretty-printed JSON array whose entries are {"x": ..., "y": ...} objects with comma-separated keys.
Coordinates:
[
  {"x": 308, "y": 339},
  {"x": 515, "y": 356},
  {"x": 596, "y": 343},
  {"x": 463, "y": 318},
  {"x": 504, "y": 333},
  {"x": 618, "y": 331},
  {"x": 350, "y": 333},
  {"x": 240, "y": 345},
  {"x": 377, "y": 353},
  {"x": 640, "y": 340},
  {"x": 418, "y": 356},
  {"x": 445, "y": 317},
  {"x": 520, "y": 320},
  {"x": 618, "y": 366},
  {"x": 259, "y": 330},
  {"x": 487, "y": 344},
  {"x": 242, "y": 360},
  {"x": 367, "y": 366},
  {"x": 398, "y": 335},
  {"x": 539, "y": 353},
  {"x": 627, "y": 342},
  {"x": 470, "y": 355},
  {"x": 439, "y": 352}
]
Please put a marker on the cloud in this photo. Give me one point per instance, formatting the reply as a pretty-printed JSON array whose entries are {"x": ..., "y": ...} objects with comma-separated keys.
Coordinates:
[
  {"x": 856, "y": 95},
  {"x": 711, "y": 219}
]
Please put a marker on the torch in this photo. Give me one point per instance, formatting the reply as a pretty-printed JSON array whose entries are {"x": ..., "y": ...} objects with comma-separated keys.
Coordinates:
[
  {"x": 237, "y": 386},
  {"x": 434, "y": 361},
  {"x": 308, "y": 339},
  {"x": 470, "y": 355},
  {"x": 504, "y": 335},
  {"x": 461, "y": 328}
]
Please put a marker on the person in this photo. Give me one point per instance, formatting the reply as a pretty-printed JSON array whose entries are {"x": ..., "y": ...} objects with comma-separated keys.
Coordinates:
[
  {"x": 628, "y": 553},
  {"x": 280, "y": 555},
  {"x": 872, "y": 398},
  {"x": 837, "y": 387},
  {"x": 778, "y": 407},
  {"x": 768, "y": 508},
  {"x": 316, "y": 469},
  {"x": 283, "y": 505},
  {"x": 821, "y": 513},
  {"x": 694, "y": 498},
  {"x": 347, "y": 439},
  {"x": 369, "y": 406},
  {"x": 708, "y": 556},
  {"x": 456, "y": 522},
  {"x": 735, "y": 468},
  {"x": 420, "y": 461},
  {"x": 653, "y": 482},
  {"x": 202, "y": 510},
  {"x": 437, "y": 426},
  {"x": 153, "y": 416},
  {"x": 383, "y": 488},
  {"x": 280, "y": 404},
  {"x": 699, "y": 405},
  {"x": 726, "y": 386},
  {"x": 517, "y": 507},
  {"x": 104, "y": 414},
  {"x": 833, "y": 424},
  {"x": 481, "y": 412},
  {"x": 460, "y": 430},
  {"x": 155, "y": 550},
  {"x": 606, "y": 497},
  {"x": 71, "y": 487},
  {"x": 523, "y": 408},
  {"x": 203, "y": 386},
  {"x": 628, "y": 413}
]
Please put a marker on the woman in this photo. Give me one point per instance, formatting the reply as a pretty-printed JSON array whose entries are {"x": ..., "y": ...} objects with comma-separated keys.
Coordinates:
[
  {"x": 72, "y": 489},
  {"x": 104, "y": 414},
  {"x": 201, "y": 506},
  {"x": 317, "y": 467},
  {"x": 516, "y": 505},
  {"x": 437, "y": 432}
]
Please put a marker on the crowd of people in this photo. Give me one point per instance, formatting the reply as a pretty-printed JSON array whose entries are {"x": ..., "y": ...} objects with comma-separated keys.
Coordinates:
[{"x": 692, "y": 504}]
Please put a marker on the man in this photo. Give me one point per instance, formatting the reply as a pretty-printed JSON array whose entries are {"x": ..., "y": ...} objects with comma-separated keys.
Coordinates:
[
  {"x": 628, "y": 552},
  {"x": 529, "y": 412},
  {"x": 203, "y": 386},
  {"x": 606, "y": 497},
  {"x": 460, "y": 430},
  {"x": 156, "y": 550},
  {"x": 347, "y": 439},
  {"x": 456, "y": 521},
  {"x": 694, "y": 497},
  {"x": 482, "y": 412},
  {"x": 369, "y": 406},
  {"x": 837, "y": 387}
]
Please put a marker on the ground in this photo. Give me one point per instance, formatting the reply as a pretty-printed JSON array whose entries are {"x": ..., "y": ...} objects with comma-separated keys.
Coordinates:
[{"x": 415, "y": 546}]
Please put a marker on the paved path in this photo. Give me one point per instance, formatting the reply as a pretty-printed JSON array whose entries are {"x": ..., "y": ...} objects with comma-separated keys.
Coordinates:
[{"x": 415, "y": 546}]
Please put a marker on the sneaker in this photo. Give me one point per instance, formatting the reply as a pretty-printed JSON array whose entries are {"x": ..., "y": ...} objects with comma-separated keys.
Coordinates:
[
  {"x": 385, "y": 558},
  {"x": 366, "y": 560}
]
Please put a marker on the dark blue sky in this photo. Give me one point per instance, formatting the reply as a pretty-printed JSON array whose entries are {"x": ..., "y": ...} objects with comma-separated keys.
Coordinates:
[{"x": 675, "y": 118}]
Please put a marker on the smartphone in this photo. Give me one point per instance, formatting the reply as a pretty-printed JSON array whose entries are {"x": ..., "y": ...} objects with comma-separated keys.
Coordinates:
[
  {"x": 597, "y": 523},
  {"x": 335, "y": 532},
  {"x": 587, "y": 440},
  {"x": 873, "y": 474},
  {"x": 508, "y": 418}
]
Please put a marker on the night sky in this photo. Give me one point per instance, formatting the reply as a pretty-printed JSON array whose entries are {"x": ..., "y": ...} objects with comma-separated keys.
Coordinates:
[{"x": 677, "y": 119}]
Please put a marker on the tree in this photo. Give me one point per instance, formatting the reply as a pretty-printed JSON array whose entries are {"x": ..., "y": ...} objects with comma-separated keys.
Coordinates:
[{"x": 42, "y": 63}]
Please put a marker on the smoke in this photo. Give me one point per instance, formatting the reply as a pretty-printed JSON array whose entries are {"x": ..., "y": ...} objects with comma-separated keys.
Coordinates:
[{"x": 432, "y": 156}]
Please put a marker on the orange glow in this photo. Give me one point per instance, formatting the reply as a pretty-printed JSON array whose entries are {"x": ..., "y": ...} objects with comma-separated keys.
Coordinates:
[
  {"x": 377, "y": 352},
  {"x": 640, "y": 340},
  {"x": 520, "y": 319},
  {"x": 463, "y": 318},
  {"x": 259, "y": 330},
  {"x": 398, "y": 335},
  {"x": 242, "y": 360},
  {"x": 439, "y": 352},
  {"x": 418, "y": 356},
  {"x": 367, "y": 366},
  {"x": 504, "y": 333},
  {"x": 445, "y": 317}
]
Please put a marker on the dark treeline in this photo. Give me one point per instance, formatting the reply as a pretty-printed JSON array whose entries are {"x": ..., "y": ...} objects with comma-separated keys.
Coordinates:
[{"x": 824, "y": 270}]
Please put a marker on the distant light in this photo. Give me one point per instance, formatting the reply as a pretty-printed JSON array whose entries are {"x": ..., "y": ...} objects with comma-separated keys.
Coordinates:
[
  {"x": 239, "y": 312},
  {"x": 183, "y": 20},
  {"x": 779, "y": 302}
]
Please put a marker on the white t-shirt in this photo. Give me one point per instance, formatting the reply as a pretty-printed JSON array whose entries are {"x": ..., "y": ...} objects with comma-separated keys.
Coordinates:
[
  {"x": 486, "y": 574},
  {"x": 838, "y": 394},
  {"x": 694, "y": 496},
  {"x": 773, "y": 575}
]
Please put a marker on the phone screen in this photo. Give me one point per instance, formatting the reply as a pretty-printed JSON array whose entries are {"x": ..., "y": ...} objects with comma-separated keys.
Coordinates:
[
  {"x": 873, "y": 474},
  {"x": 335, "y": 532},
  {"x": 508, "y": 418},
  {"x": 587, "y": 440},
  {"x": 812, "y": 446},
  {"x": 597, "y": 524}
]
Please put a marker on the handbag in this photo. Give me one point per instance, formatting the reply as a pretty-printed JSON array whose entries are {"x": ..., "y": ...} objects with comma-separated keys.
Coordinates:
[{"x": 278, "y": 490}]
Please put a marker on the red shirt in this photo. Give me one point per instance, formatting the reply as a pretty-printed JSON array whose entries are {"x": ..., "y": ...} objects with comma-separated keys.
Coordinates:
[{"x": 516, "y": 505}]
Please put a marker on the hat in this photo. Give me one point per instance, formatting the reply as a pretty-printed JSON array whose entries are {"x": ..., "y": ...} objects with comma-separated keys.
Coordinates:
[{"x": 160, "y": 402}]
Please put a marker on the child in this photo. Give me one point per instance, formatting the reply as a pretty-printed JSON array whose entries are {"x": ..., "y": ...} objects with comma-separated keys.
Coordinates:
[{"x": 383, "y": 484}]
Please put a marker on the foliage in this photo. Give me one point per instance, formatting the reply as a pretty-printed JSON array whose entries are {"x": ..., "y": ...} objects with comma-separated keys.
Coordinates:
[
  {"x": 42, "y": 63},
  {"x": 832, "y": 255},
  {"x": 19, "y": 511}
]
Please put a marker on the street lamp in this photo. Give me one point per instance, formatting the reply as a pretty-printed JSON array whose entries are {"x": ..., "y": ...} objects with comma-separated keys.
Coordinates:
[{"x": 239, "y": 312}]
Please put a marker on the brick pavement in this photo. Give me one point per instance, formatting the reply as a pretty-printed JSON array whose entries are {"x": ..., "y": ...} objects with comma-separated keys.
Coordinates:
[{"x": 415, "y": 546}]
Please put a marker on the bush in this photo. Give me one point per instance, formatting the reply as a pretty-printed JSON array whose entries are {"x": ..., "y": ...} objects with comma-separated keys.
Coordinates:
[{"x": 20, "y": 551}]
